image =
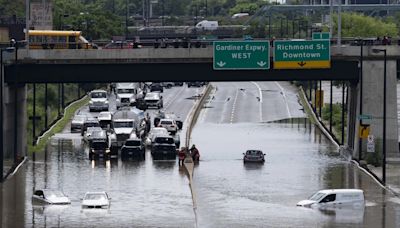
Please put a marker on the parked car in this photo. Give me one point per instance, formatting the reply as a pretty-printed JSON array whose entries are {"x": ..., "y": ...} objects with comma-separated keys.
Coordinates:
[
  {"x": 48, "y": 196},
  {"x": 123, "y": 44},
  {"x": 154, "y": 100},
  {"x": 156, "y": 87},
  {"x": 77, "y": 123},
  {"x": 89, "y": 122},
  {"x": 331, "y": 198},
  {"x": 133, "y": 147},
  {"x": 169, "y": 124},
  {"x": 96, "y": 200},
  {"x": 98, "y": 100},
  {"x": 253, "y": 156},
  {"x": 194, "y": 84},
  {"x": 105, "y": 119}
]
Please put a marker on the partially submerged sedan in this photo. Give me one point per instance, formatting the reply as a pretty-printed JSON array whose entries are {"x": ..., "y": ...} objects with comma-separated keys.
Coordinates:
[
  {"x": 254, "y": 156},
  {"x": 48, "y": 196},
  {"x": 96, "y": 200}
]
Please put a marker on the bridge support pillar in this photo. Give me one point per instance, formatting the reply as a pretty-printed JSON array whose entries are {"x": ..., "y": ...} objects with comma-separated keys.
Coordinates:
[
  {"x": 9, "y": 118},
  {"x": 372, "y": 103}
]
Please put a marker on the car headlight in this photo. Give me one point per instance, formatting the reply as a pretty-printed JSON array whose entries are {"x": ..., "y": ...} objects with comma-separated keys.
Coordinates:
[
  {"x": 90, "y": 102},
  {"x": 106, "y": 102},
  {"x": 108, "y": 151}
]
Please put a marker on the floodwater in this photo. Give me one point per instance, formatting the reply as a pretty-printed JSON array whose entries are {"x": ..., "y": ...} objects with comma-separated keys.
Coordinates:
[
  {"x": 228, "y": 193},
  {"x": 299, "y": 161}
]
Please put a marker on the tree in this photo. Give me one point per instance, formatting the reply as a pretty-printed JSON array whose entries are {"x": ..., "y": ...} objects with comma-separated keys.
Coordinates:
[{"x": 359, "y": 25}]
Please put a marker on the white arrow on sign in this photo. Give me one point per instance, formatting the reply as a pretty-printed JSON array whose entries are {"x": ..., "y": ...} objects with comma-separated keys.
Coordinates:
[
  {"x": 261, "y": 63},
  {"x": 221, "y": 64}
]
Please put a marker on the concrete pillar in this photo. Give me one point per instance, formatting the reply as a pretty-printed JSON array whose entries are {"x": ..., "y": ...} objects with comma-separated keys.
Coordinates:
[
  {"x": 22, "y": 119},
  {"x": 373, "y": 104},
  {"x": 352, "y": 112}
]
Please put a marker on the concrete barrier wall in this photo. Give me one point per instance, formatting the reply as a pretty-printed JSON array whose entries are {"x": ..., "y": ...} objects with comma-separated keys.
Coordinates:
[{"x": 195, "y": 113}]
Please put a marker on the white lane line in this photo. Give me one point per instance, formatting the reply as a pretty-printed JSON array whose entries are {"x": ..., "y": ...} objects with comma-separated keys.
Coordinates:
[
  {"x": 234, "y": 106},
  {"x": 284, "y": 98},
  {"x": 173, "y": 98},
  {"x": 260, "y": 100}
]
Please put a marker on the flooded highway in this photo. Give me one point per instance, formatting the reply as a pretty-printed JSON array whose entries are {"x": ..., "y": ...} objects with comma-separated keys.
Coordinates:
[
  {"x": 238, "y": 116},
  {"x": 299, "y": 162}
]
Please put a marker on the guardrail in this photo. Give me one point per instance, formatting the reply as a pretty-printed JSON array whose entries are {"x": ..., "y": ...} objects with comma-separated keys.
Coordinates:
[{"x": 195, "y": 113}]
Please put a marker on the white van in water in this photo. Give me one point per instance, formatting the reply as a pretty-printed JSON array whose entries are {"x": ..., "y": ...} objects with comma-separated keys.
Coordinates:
[{"x": 335, "y": 198}]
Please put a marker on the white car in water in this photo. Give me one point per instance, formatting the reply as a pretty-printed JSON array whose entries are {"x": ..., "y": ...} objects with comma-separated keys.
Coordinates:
[
  {"x": 333, "y": 198},
  {"x": 96, "y": 200},
  {"x": 49, "y": 196}
]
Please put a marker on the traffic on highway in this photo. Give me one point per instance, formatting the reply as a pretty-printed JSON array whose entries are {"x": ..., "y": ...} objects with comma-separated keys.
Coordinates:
[{"x": 116, "y": 164}]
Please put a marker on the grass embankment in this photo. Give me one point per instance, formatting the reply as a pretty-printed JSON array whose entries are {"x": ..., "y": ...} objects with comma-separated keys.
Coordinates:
[
  {"x": 336, "y": 119},
  {"x": 59, "y": 126}
]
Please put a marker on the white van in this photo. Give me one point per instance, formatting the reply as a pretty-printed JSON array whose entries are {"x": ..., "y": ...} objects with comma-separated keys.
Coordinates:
[
  {"x": 207, "y": 25},
  {"x": 335, "y": 198}
]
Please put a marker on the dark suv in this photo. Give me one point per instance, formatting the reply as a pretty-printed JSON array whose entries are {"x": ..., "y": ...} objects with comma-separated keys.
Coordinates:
[
  {"x": 163, "y": 147},
  {"x": 156, "y": 87},
  {"x": 134, "y": 148},
  {"x": 195, "y": 84}
]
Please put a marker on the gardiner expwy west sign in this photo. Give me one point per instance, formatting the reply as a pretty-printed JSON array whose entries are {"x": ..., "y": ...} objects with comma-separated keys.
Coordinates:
[
  {"x": 241, "y": 55},
  {"x": 302, "y": 54}
]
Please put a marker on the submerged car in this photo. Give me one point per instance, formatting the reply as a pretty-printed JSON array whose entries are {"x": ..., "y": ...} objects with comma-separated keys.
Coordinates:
[
  {"x": 96, "y": 200},
  {"x": 49, "y": 196},
  {"x": 335, "y": 198},
  {"x": 253, "y": 156}
]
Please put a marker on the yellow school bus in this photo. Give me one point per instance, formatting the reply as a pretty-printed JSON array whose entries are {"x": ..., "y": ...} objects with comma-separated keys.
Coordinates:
[{"x": 51, "y": 39}]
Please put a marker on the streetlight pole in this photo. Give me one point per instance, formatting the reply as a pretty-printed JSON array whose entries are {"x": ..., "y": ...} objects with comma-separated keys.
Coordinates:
[
  {"x": 384, "y": 114},
  {"x": 16, "y": 105},
  {"x": 361, "y": 94}
]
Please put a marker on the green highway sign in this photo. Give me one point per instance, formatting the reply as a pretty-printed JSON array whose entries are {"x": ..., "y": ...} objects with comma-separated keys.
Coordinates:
[
  {"x": 320, "y": 35},
  {"x": 241, "y": 55},
  {"x": 364, "y": 117},
  {"x": 302, "y": 54}
]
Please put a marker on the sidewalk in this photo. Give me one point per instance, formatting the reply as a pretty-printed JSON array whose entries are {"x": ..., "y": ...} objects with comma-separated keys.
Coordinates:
[{"x": 392, "y": 176}]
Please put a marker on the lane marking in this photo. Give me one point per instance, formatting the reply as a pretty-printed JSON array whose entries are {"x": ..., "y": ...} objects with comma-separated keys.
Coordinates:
[
  {"x": 170, "y": 101},
  {"x": 234, "y": 105},
  {"x": 260, "y": 99},
  {"x": 285, "y": 99}
]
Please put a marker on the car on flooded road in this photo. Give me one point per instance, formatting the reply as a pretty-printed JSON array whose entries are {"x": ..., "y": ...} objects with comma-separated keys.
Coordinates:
[
  {"x": 133, "y": 147},
  {"x": 104, "y": 119},
  {"x": 254, "y": 156},
  {"x": 96, "y": 200},
  {"x": 332, "y": 198},
  {"x": 77, "y": 123},
  {"x": 48, "y": 196}
]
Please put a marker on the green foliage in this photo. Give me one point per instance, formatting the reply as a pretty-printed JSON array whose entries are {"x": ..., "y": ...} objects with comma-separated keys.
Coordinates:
[
  {"x": 358, "y": 25},
  {"x": 250, "y": 8},
  {"x": 336, "y": 118}
]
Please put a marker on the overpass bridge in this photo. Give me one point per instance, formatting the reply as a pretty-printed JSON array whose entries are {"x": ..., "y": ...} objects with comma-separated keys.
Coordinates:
[{"x": 188, "y": 64}]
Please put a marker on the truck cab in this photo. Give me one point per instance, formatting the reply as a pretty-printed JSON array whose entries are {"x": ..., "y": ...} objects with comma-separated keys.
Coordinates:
[
  {"x": 123, "y": 127},
  {"x": 126, "y": 94}
]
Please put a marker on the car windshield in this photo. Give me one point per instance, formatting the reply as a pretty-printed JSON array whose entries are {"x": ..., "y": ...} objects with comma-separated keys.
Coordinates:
[
  {"x": 317, "y": 196},
  {"x": 125, "y": 90},
  {"x": 92, "y": 124},
  {"x": 132, "y": 143},
  {"x": 105, "y": 115},
  {"x": 159, "y": 131},
  {"x": 123, "y": 124},
  {"x": 98, "y": 95},
  {"x": 79, "y": 118},
  {"x": 164, "y": 140},
  {"x": 152, "y": 96},
  {"x": 166, "y": 122},
  {"x": 52, "y": 194},
  {"x": 97, "y": 196},
  {"x": 253, "y": 152}
]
